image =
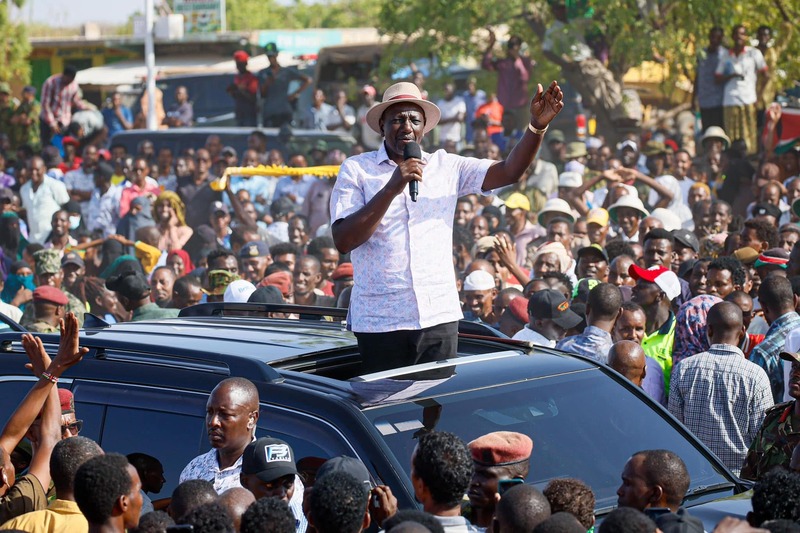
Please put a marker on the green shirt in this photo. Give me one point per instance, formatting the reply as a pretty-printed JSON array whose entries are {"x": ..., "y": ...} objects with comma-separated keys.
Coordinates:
[
  {"x": 658, "y": 345},
  {"x": 22, "y": 134},
  {"x": 151, "y": 311}
]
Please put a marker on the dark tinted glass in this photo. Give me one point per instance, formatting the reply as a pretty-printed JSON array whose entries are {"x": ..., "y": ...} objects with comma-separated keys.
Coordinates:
[{"x": 583, "y": 425}]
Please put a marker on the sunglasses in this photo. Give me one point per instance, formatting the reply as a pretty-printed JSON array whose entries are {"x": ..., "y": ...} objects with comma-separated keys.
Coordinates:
[{"x": 73, "y": 428}]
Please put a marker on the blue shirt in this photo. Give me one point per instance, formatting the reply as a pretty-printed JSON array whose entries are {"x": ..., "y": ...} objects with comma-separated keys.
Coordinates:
[
  {"x": 113, "y": 123},
  {"x": 286, "y": 185},
  {"x": 593, "y": 342},
  {"x": 767, "y": 353}
]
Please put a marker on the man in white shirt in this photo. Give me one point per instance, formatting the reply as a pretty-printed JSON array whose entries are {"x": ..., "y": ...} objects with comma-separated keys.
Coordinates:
[
  {"x": 549, "y": 318},
  {"x": 454, "y": 109},
  {"x": 738, "y": 70},
  {"x": 80, "y": 182},
  {"x": 41, "y": 197}
]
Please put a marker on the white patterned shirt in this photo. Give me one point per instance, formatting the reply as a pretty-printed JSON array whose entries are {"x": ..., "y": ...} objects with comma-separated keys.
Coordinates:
[
  {"x": 721, "y": 397},
  {"x": 206, "y": 467},
  {"x": 79, "y": 180},
  {"x": 404, "y": 276},
  {"x": 103, "y": 211}
]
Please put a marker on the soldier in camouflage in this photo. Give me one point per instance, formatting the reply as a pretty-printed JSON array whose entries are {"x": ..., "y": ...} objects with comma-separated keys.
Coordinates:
[
  {"x": 7, "y": 106},
  {"x": 779, "y": 433},
  {"x": 25, "y": 121},
  {"x": 48, "y": 304},
  {"x": 48, "y": 272}
]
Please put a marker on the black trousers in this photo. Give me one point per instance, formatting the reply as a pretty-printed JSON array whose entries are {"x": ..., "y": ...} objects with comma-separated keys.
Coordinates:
[{"x": 394, "y": 349}]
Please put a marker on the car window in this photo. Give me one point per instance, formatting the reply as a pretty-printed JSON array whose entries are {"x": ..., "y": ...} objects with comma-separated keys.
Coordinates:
[
  {"x": 169, "y": 425},
  {"x": 12, "y": 390},
  {"x": 583, "y": 425},
  {"x": 310, "y": 438}
]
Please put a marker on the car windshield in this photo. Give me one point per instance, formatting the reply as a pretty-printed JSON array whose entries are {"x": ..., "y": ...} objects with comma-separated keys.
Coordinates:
[{"x": 583, "y": 425}]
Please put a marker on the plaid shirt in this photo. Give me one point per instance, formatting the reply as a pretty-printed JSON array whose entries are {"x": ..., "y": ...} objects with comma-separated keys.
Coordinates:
[
  {"x": 58, "y": 99},
  {"x": 767, "y": 353},
  {"x": 721, "y": 397},
  {"x": 593, "y": 342}
]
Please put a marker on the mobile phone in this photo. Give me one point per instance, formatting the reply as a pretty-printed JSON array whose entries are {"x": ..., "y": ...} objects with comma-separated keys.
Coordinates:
[{"x": 505, "y": 484}]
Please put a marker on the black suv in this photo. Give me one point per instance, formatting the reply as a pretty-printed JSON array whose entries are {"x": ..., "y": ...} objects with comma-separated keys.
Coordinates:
[{"x": 144, "y": 385}]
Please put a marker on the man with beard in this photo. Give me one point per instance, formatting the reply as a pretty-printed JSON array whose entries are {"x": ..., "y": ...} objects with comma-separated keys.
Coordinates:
[{"x": 162, "y": 281}]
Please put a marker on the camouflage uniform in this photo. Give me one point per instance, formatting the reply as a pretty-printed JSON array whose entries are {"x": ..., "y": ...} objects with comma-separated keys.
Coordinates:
[
  {"x": 48, "y": 261},
  {"x": 6, "y": 112},
  {"x": 27, "y": 134},
  {"x": 774, "y": 443},
  {"x": 42, "y": 327}
]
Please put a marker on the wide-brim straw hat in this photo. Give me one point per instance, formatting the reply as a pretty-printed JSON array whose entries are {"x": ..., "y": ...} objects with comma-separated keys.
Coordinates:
[{"x": 397, "y": 94}]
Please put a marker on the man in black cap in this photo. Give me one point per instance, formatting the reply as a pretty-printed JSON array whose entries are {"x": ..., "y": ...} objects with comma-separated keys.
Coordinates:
[
  {"x": 550, "y": 318},
  {"x": 592, "y": 263},
  {"x": 133, "y": 292},
  {"x": 269, "y": 471},
  {"x": 255, "y": 258},
  {"x": 685, "y": 248},
  {"x": 767, "y": 212}
]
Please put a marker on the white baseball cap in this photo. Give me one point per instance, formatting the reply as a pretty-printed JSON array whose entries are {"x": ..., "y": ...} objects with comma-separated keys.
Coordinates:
[{"x": 238, "y": 291}]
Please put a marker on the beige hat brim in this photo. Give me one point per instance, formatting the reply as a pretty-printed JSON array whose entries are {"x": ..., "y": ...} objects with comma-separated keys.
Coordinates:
[{"x": 431, "y": 110}]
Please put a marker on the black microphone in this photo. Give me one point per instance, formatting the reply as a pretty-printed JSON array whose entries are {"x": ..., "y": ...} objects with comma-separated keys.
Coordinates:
[{"x": 412, "y": 151}]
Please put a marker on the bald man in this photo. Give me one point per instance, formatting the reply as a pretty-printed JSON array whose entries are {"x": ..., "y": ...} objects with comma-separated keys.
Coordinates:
[
  {"x": 627, "y": 358},
  {"x": 719, "y": 395},
  {"x": 236, "y": 501}
]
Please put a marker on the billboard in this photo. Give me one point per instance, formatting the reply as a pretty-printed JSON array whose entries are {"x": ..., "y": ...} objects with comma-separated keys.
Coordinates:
[{"x": 201, "y": 16}]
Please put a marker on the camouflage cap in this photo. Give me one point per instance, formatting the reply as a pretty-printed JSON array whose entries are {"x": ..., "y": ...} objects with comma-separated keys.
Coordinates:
[
  {"x": 5, "y": 87},
  {"x": 218, "y": 281},
  {"x": 47, "y": 261}
]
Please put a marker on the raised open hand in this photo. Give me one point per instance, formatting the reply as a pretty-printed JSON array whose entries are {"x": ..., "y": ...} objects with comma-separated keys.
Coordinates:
[
  {"x": 34, "y": 349},
  {"x": 546, "y": 104},
  {"x": 69, "y": 352}
]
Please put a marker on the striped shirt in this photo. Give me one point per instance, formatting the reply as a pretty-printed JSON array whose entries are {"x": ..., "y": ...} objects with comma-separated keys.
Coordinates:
[
  {"x": 721, "y": 397},
  {"x": 58, "y": 99},
  {"x": 767, "y": 353}
]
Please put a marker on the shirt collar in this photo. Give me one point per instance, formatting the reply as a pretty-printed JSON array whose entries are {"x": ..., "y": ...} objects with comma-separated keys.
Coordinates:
[
  {"x": 783, "y": 321},
  {"x": 382, "y": 156},
  {"x": 594, "y": 330},
  {"x": 725, "y": 349}
]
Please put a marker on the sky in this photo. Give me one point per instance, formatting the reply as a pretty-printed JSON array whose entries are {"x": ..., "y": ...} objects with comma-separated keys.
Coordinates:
[{"x": 77, "y": 12}]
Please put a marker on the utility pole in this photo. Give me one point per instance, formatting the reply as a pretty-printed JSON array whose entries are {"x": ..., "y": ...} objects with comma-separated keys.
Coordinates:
[{"x": 150, "y": 63}]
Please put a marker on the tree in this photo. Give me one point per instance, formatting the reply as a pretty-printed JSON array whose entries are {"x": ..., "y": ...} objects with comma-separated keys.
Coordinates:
[
  {"x": 264, "y": 14},
  {"x": 14, "y": 55},
  {"x": 634, "y": 31}
]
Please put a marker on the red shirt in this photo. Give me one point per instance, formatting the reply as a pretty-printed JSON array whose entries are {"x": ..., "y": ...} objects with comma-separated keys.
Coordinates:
[{"x": 495, "y": 112}]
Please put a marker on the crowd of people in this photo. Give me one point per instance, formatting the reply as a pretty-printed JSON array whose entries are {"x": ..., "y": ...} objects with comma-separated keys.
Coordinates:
[{"x": 672, "y": 258}]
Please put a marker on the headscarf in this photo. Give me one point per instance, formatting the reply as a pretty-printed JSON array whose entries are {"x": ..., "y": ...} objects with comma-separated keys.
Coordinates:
[
  {"x": 15, "y": 282},
  {"x": 676, "y": 205},
  {"x": 188, "y": 266},
  {"x": 690, "y": 327},
  {"x": 176, "y": 203},
  {"x": 554, "y": 248},
  {"x": 130, "y": 223}
]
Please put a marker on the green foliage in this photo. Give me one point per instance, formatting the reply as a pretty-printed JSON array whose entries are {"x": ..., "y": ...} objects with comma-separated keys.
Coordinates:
[
  {"x": 16, "y": 49},
  {"x": 635, "y": 30},
  {"x": 269, "y": 14}
]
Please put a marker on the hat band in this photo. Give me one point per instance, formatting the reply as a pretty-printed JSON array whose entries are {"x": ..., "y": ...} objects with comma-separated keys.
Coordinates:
[{"x": 401, "y": 96}]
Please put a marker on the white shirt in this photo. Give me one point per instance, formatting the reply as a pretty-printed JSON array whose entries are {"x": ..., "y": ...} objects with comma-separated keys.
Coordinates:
[
  {"x": 741, "y": 91},
  {"x": 451, "y": 109},
  {"x": 40, "y": 205},
  {"x": 527, "y": 334},
  {"x": 12, "y": 312},
  {"x": 404, "y": 277}
]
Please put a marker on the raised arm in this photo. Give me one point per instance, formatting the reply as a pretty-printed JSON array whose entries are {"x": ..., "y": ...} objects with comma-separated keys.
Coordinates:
[{"x": 546, "y": 104}]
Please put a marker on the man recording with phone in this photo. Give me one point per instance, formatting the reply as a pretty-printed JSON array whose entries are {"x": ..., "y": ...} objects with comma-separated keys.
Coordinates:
[{"x": 404, "y": 305}]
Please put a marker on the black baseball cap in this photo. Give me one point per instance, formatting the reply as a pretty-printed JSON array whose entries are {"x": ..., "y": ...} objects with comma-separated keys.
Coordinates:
[
  {"x": 593, "y": 249},
  {"x": 130, "y": 284},
  {"x": 765, "y": 209},
  {"x": 551, "y": 304},
  {"x": 349, "y": 465},
  {"x": 72, "y": 258},
  {"x": 686, "y": 238},
  {"x": 268, "y": 459}
]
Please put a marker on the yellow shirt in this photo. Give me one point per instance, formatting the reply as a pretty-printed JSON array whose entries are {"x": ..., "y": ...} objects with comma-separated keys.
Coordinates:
[
  {"x": 61, "y": 516},
  {"x": 147, "y": 255}
]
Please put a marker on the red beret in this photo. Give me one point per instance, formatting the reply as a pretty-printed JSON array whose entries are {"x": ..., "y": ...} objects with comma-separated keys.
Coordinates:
[
  {"x": 46, "y": 293},
  {"x": 519, "y": 309},
  {"x": 345, "y": 270},
  {"x": 241, "y": 56},
  {"x": 67, "y": 401},
  {"x": 501, "y": 448},
  {"x": 282, "y": 280}
]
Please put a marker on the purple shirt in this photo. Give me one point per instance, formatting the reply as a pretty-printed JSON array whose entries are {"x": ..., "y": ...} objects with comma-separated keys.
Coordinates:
[{"x": 512, "y": 79}]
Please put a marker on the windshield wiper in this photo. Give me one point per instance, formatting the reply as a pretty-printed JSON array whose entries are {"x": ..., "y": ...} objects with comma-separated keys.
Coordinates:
[{"x": 705, "y": 489}]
